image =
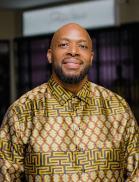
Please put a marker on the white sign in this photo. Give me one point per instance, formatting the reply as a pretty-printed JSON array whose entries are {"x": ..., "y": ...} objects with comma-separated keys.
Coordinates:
[{"x": 91, "y": 14}]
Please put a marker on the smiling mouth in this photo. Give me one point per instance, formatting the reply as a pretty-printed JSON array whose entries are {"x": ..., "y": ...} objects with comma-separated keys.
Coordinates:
[{"x": 72, "y": 63}]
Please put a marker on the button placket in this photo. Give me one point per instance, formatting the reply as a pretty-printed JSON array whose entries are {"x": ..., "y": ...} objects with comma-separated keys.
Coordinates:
[
  {"x": 75, "y": 103},
  {"x": 77, "y": 131}
]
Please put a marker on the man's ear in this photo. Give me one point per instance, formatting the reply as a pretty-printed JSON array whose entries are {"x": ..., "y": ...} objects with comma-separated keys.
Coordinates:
[
  {"x": 92, "y": 56},
  {"x": 49, "y": 55}
]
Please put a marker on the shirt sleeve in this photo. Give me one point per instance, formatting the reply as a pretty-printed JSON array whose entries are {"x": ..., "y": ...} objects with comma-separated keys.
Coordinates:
[
  {"x": 11, "y": 149},
  {"x": 132, "y": 164}
]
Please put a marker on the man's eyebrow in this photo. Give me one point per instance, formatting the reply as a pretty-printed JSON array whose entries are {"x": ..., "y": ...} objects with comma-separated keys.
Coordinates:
[
  {"x": 61, "y": 39},
  {"x": 82, "y": 40},
  {"x": 66, "y": 39}
]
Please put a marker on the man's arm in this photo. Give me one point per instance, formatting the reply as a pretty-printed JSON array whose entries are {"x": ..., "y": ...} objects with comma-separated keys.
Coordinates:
[
  {"x": 132, "y": 150},
  {"x": 11, "y": 149}
]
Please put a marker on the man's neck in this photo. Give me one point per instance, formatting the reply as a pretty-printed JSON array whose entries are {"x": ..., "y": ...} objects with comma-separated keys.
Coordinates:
[{"x": 74, "y": 88}]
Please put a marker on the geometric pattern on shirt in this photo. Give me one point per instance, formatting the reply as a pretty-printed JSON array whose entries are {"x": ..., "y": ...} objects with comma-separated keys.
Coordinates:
[
  {"x": 102, "y": 123},
  {"x": 74, "y": 162},
  {"x": 97, "y": 106},
  {"x": 53, "y": 100},
  {"x": 94, "y": 99},
  {"x": 58, "y": 102}
]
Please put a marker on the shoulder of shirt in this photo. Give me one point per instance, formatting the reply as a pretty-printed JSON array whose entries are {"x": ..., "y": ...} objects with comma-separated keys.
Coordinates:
[
  {"x": 36, "y": 93},
  {"x": 104, "y": 93}
]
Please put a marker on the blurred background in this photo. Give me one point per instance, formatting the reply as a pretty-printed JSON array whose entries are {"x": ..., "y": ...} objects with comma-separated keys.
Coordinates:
[{"x": 26, "y": 28}]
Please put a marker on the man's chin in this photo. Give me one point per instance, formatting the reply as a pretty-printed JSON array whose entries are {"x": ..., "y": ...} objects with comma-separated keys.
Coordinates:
[
  {"x": 74, "y": 79},
  {"x": 70, "y": 76}
]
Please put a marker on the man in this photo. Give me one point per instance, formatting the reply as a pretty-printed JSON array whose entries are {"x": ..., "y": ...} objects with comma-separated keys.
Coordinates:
[{"x": 69, "y": 129}]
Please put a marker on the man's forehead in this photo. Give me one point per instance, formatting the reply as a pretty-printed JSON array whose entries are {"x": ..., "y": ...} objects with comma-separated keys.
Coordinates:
[{"x": 75, "y": 34}]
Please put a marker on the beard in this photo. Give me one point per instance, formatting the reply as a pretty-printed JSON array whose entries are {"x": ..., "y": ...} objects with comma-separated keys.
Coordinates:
[{"x": 70, "y": 79}]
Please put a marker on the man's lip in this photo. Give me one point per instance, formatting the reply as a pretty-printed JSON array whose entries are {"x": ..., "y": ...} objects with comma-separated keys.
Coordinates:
[
  {"x": 72, "y": 65},
  {"x": 72, "y": 60}
]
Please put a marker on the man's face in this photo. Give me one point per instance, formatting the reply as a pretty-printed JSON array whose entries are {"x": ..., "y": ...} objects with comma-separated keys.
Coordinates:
[{"x": 71, "y": 54}]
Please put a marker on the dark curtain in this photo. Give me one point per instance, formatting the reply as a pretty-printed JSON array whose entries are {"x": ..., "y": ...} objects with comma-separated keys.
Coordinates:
[
  {"x": 32, "y": 64},
  {"x": 4, "y": 77}
]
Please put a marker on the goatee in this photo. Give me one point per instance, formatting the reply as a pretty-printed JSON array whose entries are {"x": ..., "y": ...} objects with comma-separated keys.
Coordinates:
[{"x": 70, "y": 79}]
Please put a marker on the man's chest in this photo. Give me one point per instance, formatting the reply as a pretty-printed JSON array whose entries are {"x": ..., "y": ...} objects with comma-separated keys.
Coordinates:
[{"x": 69, "y": 145}]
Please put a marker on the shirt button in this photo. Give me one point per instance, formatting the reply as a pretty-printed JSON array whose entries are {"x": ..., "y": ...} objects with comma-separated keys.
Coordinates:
[
  {"x": 78, "y": 128},
  {"x": 62, "y": 102},
  {"x": 81, "y": 149},
  {"x": 83, "y": 170},
  {"x": 74, "y": 108}
]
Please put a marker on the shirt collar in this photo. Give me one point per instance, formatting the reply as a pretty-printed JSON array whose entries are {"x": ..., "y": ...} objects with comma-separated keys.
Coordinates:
[
  {"x": 85, "y": 93},
  {"x": 62, "y": 95}
]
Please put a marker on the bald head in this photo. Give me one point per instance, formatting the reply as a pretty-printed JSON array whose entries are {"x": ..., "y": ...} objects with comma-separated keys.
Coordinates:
[{"x": 70, "y": 28}]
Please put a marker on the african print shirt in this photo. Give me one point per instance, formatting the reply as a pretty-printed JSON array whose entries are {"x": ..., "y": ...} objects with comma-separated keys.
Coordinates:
[{"x": 51, "y": 135}]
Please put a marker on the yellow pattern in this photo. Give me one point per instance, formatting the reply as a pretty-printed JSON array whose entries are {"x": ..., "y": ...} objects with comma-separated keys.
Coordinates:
[
  {"x": 77, "y": 161},
  {"x": 49, "y": 134}
]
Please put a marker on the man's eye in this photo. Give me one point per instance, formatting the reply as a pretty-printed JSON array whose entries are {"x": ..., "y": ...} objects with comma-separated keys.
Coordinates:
[
  {"x": 63, "y": 45},
  {"x": 83, "y": 46}
]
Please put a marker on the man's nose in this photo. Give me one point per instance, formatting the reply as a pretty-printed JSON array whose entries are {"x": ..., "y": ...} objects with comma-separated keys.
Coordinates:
[{"x": 73, "y": 50}]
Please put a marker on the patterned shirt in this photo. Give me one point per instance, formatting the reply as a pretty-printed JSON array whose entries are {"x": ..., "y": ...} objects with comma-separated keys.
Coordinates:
[{"x": 50, "y": 134}]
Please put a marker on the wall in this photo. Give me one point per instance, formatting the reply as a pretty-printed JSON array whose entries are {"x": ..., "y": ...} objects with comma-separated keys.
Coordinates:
[
  {"x": 128, "y": 11},
  {"x": 10, "y": 24},
  {"x": 10, "y": 27}
]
